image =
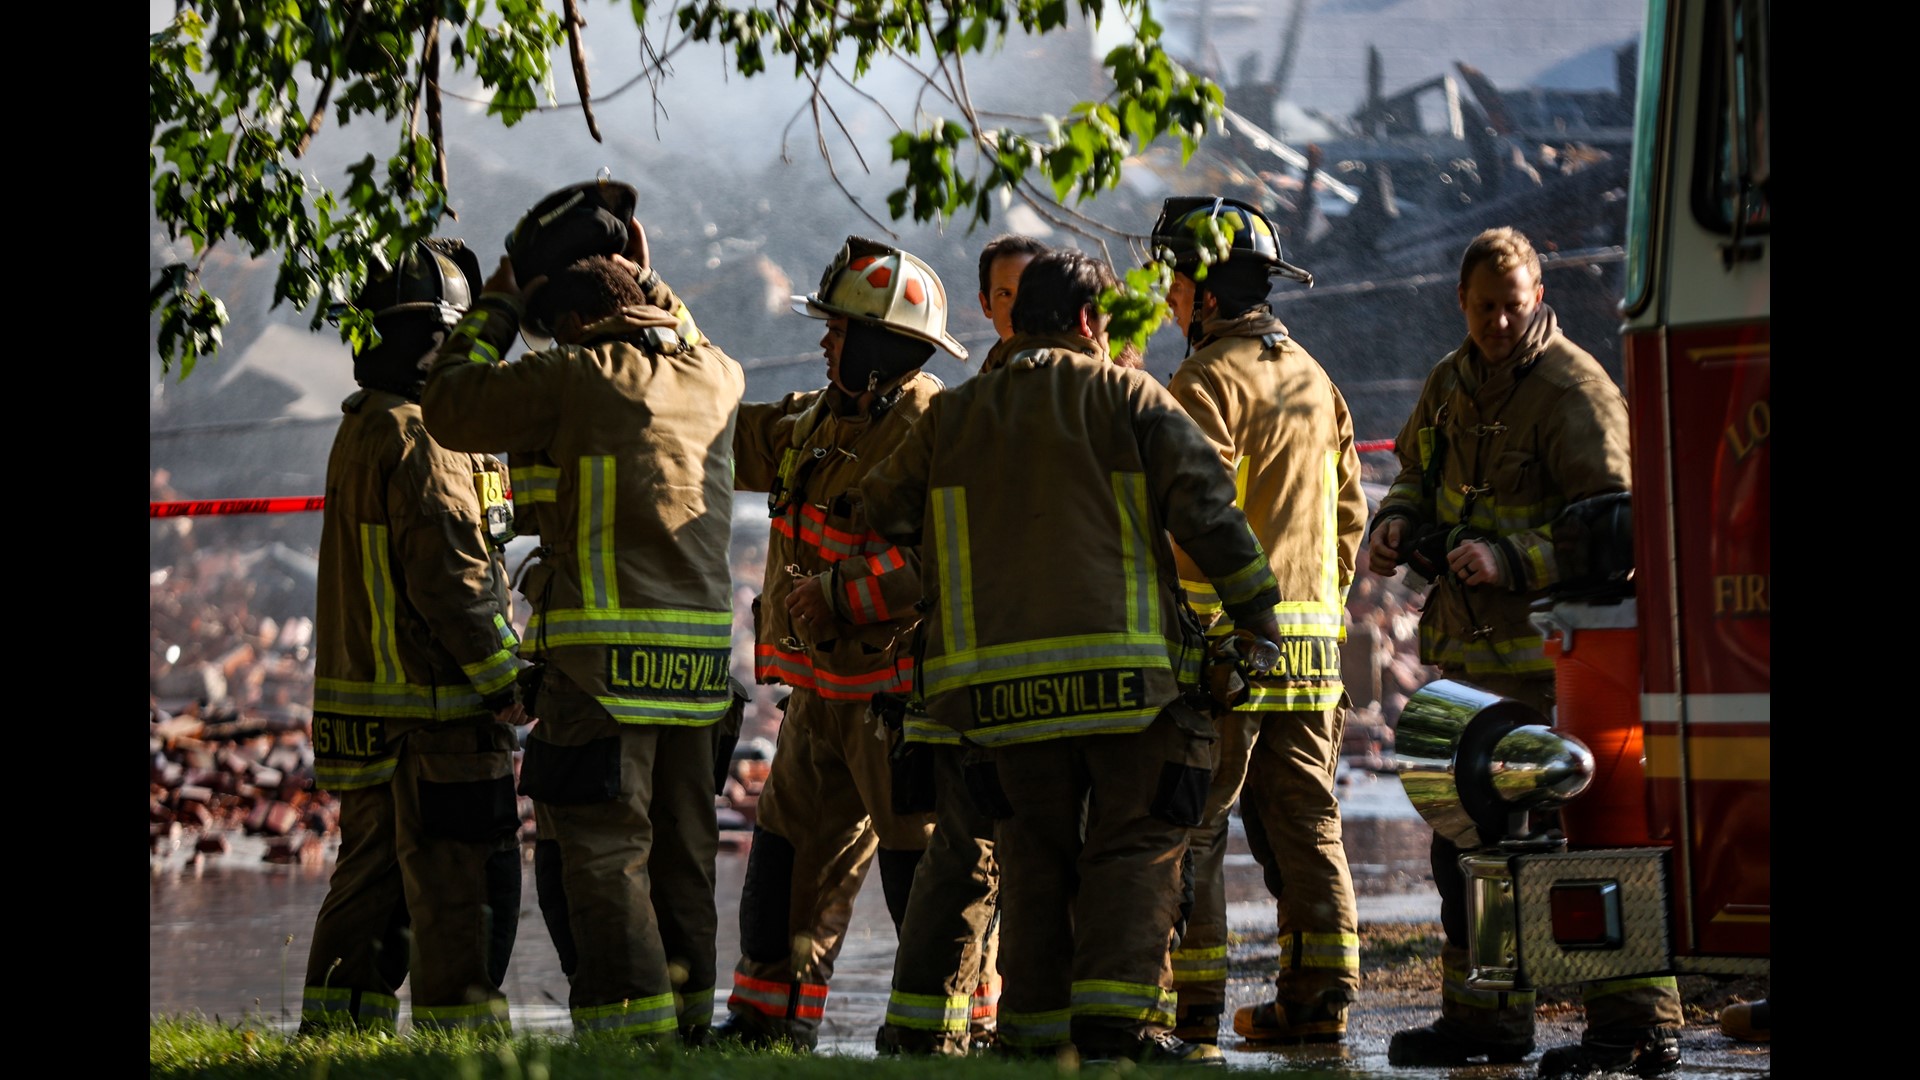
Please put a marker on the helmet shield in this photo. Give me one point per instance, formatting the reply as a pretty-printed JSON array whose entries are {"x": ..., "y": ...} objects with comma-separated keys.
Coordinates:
[{"x": 877, "y": 283}]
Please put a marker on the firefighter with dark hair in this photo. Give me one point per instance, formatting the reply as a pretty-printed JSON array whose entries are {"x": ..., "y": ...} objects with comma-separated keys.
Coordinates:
[
  {"x": 945, "y": 996},
  {"x": 1513, "y": 428},
  {"x": 1283, "y": 433},
  {"x": 1043, "y": 494},
  {"x": 414, "y": 702},
  {"x": 631, "y": 411},
  {"x": 833, "y": 622}
]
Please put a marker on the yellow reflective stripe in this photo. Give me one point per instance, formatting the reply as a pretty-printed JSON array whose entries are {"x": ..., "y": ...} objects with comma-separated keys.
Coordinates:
[
  {"x": 1600, "y": 988},
  {"x": 1201, "y": 598},
  {"x": 956, "y": 569},
  {"x": 1264, "y": 698},
  {"x": 483, "y": 1014},
  {"x": 1034, "y": 1029},
  {"x": 632, "y": 626},
  {"x": 689, "y": 333},
  {"x": 696, "y": 1007},
  {"x": 1711, "y": 758},
  {"x": 1246, "y": 582},
  {"x": 1240, "y": 468},
  {"x": 376, "y": 573},
  {"x": 1131, "y": 1001},
  {"x": 918, "y": 730},
  {"x": 1137, "y": 566},
  {"x": 339, "y": 776},
  {"x": 1489, "y": 514},
  {"x": 496, "y": 671},
  {"x": 535, "y": 483},
  {"x": 483, "y": 352},
  {"x": 1326, "y": 950},
  {"x": 1199, "y": 965},
  {"x": 672, "y": 711},
  {"x": 1073, "y": 652},
  {"x": 1123, "y": 722},
  {"x": 599, "y": 586},
  {"x": 1523, "y": 654},
  {"x": 927, "y": 1012},
  {"x": 638, "y": 1015}
]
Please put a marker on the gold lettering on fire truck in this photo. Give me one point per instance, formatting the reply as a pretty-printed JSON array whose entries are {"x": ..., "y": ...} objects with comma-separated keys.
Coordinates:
[
  {"x": 1750, "y": 430},
  {"x": 1736, "y": 595}
]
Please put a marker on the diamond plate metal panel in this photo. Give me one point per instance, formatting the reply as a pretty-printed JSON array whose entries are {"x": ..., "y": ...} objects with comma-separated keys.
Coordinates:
[{"x": 1645, "y": 939}]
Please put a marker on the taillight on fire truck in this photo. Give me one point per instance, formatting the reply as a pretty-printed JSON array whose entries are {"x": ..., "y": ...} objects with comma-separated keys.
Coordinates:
[{"x": 1586, "y": 914}]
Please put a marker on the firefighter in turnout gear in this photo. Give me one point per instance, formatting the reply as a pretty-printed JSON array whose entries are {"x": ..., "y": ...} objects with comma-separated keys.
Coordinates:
[
  {"x": 632, "y": 607},
  {"x": 1044, "y": 494},
  {"x": 1511, "y": 428},
  {"x": 832, "y": 622},
  {"x": 946, "y": 979},
  {"x": 414, "y": 701},
  {"x": 1284, "y": 434}
]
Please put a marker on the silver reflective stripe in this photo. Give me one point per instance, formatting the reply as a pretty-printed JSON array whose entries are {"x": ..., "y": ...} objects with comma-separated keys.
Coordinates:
[
  {"x": 377, "y": 574},
  {"x": 1136, "y": 549},
  {"x": 956, "y": 571},
  {"x": 595, "y": 535}
]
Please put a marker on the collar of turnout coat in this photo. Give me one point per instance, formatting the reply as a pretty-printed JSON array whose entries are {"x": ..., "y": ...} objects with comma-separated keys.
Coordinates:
[
  {"x": 998, "y": 356},
  {"x": 1475, "y": 372},
  {"x": 632, "y": 318},
  {"x": 1254, "y": 322}
]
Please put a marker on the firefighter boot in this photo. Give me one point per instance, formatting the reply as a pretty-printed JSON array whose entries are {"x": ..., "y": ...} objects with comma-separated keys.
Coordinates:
[
  {"x": 757, "y": 1031},
  {"x": 1433, "y": 1047},
  {"x": 1750, "y": 1022},
  {"x": 1201, "y": 1024},
  {"x": 1275, "y": 1023},
  {"x": 1159, "y": 1048},
  {"x": 1650, "y": 1053}
]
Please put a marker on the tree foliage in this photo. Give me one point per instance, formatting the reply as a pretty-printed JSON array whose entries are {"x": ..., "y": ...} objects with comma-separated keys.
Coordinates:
[{"x": 239, "y": 91}]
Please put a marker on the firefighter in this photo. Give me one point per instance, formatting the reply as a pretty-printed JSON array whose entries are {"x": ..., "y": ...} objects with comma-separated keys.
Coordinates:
[
  {"x": 632, "y": 603},
  {"x": 946, "y": 982},
  {"x": 1513, "y": 426},
  {"x": 832, "y": 622},
  {"x": 1044, "y": 493},
  {"x": 414, "y": 687},
  {"x": 1283, "y": 432}
]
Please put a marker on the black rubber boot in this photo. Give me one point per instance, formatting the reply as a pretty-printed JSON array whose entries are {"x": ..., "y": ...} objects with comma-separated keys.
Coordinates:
[
  {"x": 1649, "y": 1053},
  {"x": 1432, "y": 1047},
  {"x": 1162, "y": 1048}
]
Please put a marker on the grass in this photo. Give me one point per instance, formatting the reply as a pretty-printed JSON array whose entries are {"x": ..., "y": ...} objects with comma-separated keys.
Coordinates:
[{"x": 211, "y": 1050}]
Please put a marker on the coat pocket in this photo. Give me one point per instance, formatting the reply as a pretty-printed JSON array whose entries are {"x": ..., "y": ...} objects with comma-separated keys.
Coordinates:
[
  {"x": 571, "y": 775},
  {"x": 465, "y": 784},
  {"x": 1180, "y": 797}
]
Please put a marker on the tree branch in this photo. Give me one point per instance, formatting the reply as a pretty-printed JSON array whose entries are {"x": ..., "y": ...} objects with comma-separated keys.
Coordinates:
[{"x": 575, "y": 22}]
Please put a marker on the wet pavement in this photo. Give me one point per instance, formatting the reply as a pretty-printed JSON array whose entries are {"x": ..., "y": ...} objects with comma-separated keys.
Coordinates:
[{"x": 229, "y": 934}]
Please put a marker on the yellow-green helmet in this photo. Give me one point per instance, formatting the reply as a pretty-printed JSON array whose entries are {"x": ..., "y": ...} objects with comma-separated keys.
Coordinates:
[{"x": 1176, "y": 237}]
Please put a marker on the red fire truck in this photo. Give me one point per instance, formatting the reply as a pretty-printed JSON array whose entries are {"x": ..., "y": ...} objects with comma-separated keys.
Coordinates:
[{"x": 1658, "y": 757}]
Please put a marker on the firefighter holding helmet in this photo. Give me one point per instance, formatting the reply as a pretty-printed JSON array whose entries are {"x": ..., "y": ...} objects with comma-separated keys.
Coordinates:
[
  {"x": 833, "y": 622},
  {"x": 624, "y": 425},
  {"x": 1284, "y": 434}
]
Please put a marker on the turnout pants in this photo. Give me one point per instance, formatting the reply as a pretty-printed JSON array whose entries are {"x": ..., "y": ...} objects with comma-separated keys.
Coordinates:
[
  {"x": 945, "y": 984},
  {"x": 426, "y": 886},
  {"x": 824, "y": 814},
  {"x": 1622, "y": 1007},
  {"x": 1280, "y": 766},
  {"x": 625, "y": 863},
  {"x": 1090, "y": 884}
]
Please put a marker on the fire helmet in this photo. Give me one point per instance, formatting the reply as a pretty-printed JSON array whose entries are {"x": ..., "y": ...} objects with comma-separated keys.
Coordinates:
[
  {"x": 432, "y": 284},
  {"x": 592, "y": 218},
  {"x": 877, "y": 283},
  {"x": 1254, "y": 236}
]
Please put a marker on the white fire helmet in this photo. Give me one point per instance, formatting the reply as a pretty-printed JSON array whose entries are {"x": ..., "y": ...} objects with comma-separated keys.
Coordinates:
[{"x": 881, "y": 284}]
